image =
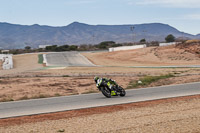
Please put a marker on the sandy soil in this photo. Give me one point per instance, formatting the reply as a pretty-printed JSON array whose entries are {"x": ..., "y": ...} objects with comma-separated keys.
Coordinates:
[
  {"x": 78, "y": 71},
  {"x": 22, "y": 63},
  {"x": 22, "y": 88},
  {"x": 29, "y": 88},
  {"x": 29, "y": 79},
  {"x": 160, "y": 116},
  {"x": 150, "y": 56},
  {"x": 0, "y": 64},
  {"x": 26, "y": 81}
]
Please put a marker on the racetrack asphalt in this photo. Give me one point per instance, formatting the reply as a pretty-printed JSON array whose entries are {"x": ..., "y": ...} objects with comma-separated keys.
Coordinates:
[
  {"x": 67, "y": 59},
  {"x": 64, "y": 103},
  {"x": 74, "y": 58}
]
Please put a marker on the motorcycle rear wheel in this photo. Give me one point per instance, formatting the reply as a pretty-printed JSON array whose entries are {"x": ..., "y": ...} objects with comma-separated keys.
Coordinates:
[
  {"x": 106, "y": 92},
  {"x": 122, "y": 92}
]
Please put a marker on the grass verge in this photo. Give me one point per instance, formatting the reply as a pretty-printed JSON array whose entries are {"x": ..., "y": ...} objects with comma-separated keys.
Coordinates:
[
  {"x": 40, "y": 58},
  {"x": 145, "y": 81}
]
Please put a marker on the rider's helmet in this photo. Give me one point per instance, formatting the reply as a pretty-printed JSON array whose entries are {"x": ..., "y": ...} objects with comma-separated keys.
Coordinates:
[{"x": 96, "y": 78}]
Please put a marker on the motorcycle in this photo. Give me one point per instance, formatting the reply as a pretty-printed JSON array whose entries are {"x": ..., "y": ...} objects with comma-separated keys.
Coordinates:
[{"x": 106, "y": 91}]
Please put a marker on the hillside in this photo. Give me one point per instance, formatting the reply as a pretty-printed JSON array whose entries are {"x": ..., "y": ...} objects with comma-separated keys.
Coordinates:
[
  {"x": 174, "y": 55},
  {"x": 19, "y": 36},
  {"x": 191, "y": 46},
  {"x": 198, "y": 36}
]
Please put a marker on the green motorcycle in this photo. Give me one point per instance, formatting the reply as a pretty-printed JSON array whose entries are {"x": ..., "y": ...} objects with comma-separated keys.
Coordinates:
[{"x": 106, "y": 91}]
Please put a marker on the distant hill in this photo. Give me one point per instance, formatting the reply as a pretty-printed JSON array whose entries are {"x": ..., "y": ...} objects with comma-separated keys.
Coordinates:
[
  {"x": 198, "y": 35},
  {"x": 19, "y": 36}
]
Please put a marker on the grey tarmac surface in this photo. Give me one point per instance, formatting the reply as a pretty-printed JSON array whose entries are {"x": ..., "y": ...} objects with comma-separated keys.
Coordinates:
[
  {"x": 64, "y": 103},
  {"x": 67, "y": 59}
]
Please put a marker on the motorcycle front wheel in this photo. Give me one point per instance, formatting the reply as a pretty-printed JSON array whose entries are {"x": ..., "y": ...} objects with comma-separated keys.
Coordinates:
[{"x": 122, "y": 92}]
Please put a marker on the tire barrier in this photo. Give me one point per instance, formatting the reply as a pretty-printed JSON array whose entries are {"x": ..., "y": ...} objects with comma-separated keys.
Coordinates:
[
  {"x": 7, "y": 61},
  {"x": 127, "y": 48}
]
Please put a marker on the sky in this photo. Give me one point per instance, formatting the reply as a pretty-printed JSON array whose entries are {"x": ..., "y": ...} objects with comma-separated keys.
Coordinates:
[{"x": 181, "y": 14}]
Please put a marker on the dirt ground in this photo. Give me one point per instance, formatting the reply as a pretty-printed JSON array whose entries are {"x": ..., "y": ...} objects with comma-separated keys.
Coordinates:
[
  {"x": 30, "y": 80},
  {"x": 22, "y": 63},
  {"x": 150, "y": 56},
  {"x": 121, "y": 71},
  {"x": 29, "y": 86},
  {"x": 161, "y": 116},
  {"x": 0, "y": 64}
]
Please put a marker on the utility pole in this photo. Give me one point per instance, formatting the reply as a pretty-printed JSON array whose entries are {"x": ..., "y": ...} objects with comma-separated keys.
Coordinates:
[
  {"x": 145, "y": 35},
  {"x": 93, "y": 39},
  {"x": 132, "y": 30},
  {"x": 182, "y": 37}
]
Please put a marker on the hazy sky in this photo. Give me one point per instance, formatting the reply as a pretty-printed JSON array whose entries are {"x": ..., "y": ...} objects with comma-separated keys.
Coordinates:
[{"x": 181, "y": 14}]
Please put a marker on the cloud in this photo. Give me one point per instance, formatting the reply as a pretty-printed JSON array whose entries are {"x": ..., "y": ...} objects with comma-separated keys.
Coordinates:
[{"x": 169, "y": 3}]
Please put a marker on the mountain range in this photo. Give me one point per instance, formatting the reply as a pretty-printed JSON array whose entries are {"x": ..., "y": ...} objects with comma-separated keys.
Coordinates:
[{"x": 13, "y": 36}]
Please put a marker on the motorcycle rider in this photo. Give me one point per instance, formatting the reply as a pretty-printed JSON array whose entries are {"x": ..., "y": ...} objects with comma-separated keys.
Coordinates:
[{"x": 109, "y": 82}]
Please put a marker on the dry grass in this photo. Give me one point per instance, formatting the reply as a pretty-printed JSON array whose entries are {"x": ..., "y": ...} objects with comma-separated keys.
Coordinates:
[
  {"x": 192, "y": 41},
  {"x": 108, "y": 71},
  {"x": 147, "y": 80},
  {"x": 41, "y": 87}
]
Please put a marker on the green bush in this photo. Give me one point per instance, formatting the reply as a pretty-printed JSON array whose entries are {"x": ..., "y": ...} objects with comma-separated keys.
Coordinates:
[
  {"x": 147, "y": 80},
  {"x": 40, "y": 58},
  {"x": 170, "y": 38}
]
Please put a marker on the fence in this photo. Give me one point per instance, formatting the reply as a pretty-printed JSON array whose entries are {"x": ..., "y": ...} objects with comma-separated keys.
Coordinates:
[
  {"x": 167, "y": 44},
  {"x": 126, "y": 48}
]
